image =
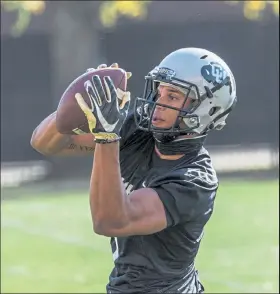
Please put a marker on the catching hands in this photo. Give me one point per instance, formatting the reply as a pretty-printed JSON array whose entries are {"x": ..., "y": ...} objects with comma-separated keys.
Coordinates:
[{"x": 109, "y": 108}]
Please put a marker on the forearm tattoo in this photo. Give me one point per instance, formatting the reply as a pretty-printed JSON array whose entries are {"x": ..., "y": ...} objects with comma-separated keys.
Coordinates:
[{"x": 80, "y": 147}]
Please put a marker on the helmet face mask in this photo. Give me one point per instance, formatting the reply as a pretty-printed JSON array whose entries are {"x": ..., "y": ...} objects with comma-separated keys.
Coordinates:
[
  {"x": 210, "y": 88},
  {"x": 145, "y": 107}
]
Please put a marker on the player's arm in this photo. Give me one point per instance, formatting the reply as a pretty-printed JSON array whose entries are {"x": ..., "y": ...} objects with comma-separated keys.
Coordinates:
[
  {"x": 143, "y": 214},
  {"x": 113, "y": 212},
  {"x": 48, "y": 141}
]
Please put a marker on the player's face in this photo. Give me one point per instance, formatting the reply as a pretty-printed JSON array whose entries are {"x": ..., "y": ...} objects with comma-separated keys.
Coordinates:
[{"x": 165, "y": 117}]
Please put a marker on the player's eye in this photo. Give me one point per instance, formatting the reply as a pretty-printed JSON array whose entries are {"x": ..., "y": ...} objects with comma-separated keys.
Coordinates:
[{"x": 172, "y": 98}]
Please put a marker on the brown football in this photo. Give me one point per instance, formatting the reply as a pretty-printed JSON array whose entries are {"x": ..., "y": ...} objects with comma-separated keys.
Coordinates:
[{"x": 70, "y": 119}]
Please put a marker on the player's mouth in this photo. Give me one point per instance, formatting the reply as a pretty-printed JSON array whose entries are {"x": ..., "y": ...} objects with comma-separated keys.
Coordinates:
[{"x": 157, "y": 120}]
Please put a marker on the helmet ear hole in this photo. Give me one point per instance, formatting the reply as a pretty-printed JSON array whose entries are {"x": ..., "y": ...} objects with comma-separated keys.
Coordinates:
[
  {"x": 213, "y": 110},
  {"x": 203, "y": 57}
]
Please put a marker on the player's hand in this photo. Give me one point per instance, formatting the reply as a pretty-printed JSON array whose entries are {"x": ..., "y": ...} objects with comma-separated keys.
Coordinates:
[
  {"x": 114, "y": 65},
  {"x": 109, "y": 112}
]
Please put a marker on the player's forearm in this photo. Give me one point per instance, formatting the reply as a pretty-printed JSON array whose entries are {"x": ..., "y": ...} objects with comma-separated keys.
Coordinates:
[
  {"x": 46, "y": 139},
  {"x": 108, "y": 199}
]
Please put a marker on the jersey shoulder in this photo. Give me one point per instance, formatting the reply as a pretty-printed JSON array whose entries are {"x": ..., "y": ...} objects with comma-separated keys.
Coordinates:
[
  {"x": 188, "y": 191},
  {"x": 198, "y": 172},
  {"x": 201, "y": 172}
]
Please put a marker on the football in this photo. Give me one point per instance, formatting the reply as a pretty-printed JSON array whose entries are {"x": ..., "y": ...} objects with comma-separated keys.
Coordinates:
[{"x": 70, "y": 119}]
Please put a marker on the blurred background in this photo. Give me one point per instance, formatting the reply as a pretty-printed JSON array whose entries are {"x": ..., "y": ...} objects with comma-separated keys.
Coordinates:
[{"x": 47, "y": 242}]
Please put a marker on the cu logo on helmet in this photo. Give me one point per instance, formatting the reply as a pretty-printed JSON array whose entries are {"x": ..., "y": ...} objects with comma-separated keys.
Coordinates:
[{"x": 214, "y": 73}]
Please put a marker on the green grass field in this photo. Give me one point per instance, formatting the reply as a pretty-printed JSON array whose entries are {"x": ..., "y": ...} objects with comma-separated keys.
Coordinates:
[{"x": 47, "y": 243}]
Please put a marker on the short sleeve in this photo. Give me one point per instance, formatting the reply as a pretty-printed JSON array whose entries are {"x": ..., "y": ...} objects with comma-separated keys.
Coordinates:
[{"x": 186, "y": 197}]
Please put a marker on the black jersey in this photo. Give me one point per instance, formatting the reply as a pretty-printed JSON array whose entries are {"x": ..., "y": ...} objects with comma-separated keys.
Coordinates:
[{"x": 164, "y": 261}]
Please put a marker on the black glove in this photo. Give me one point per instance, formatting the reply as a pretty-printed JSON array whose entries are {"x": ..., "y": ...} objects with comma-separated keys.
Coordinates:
[{"x": 109, "y": 107}]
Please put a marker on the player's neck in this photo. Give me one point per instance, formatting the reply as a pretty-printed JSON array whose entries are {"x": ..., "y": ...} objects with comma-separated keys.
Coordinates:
[
  {"x": 175, "y": 156},
  {"x": 168, "y": 157}
]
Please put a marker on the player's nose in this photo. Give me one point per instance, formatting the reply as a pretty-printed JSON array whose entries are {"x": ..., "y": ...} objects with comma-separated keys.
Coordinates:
[{"x": 160, "y": 100}]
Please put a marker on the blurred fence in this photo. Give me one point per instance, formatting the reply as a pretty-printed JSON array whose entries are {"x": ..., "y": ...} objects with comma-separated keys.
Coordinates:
[{"x": 250, "y": 48}]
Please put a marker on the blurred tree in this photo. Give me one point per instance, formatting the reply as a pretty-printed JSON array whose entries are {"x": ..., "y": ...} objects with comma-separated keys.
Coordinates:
[
  {"x": 253, "y": 9},
  {"x": 109, "y": 11},
  {"x": 24, "y": 11}
]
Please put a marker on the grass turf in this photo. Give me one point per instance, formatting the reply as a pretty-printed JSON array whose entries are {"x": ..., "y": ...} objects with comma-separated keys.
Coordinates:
[{"x": 48, "y": 246}]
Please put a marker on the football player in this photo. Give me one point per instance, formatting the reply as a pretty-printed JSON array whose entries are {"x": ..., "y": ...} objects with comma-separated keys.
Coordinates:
[{"x": 153, "y": 186}]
